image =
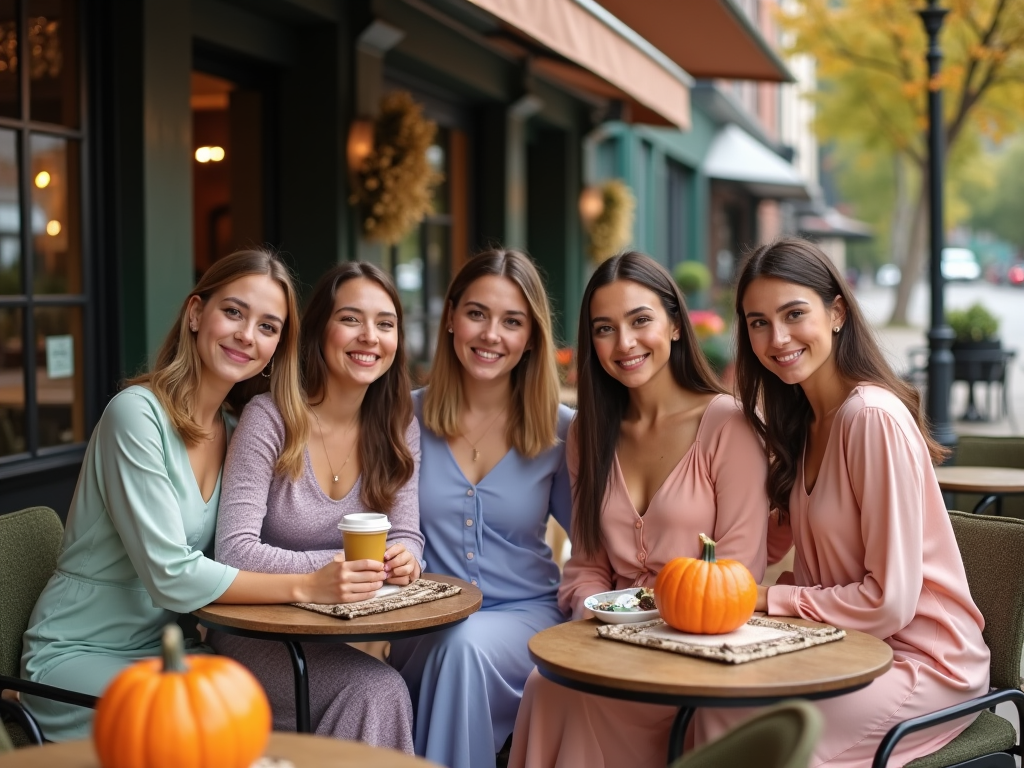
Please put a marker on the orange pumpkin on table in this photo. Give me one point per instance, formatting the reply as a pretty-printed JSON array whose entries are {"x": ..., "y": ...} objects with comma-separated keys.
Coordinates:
[
  {"x": 705, "y": 596},
  {"x": 201, "y": 712}
]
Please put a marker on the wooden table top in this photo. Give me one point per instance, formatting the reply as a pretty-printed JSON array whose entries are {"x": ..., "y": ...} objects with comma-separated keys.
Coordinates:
[
  {"x": 289, "y": 620},
  {"x": 304, "y": 750},
  {"x": 574, "y": 651},
  {"x": 980, "y": 479}
]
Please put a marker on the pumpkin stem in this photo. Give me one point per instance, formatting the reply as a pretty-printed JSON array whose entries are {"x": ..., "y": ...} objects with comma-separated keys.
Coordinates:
[
  {"x": 173, "y": 647},
  {"x": 708, "y": 556}
]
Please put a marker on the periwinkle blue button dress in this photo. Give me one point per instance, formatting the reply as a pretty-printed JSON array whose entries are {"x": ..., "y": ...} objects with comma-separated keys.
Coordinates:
[{"x": 466, "y": 681}]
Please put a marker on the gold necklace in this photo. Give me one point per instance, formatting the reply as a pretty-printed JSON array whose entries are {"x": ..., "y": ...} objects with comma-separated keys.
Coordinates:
[
  {"x": 476, "y": 453},
  {"x": 324, "y": 444}
]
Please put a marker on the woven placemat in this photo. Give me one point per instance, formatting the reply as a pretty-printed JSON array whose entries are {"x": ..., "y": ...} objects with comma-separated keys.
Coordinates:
[
  {"x": 759, "y": 638},
  {"x": 420, "y": 591}
]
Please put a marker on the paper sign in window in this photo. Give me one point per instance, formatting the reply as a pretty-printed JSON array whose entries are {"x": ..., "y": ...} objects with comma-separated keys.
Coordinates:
[{"x": 60, "y": 357}]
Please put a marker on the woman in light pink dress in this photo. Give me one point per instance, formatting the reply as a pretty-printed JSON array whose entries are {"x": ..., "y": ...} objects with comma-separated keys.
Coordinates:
[
  {"x": 658, "y": 454},
  {"x": 850, "y": 471}
]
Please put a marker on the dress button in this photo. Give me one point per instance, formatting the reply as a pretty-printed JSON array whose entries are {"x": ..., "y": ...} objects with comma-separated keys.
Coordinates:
[
  {"x": 469, "y": 522},
  {"x": 639, "y": 524},
  {"x": 469, "y": 492},
  {"x": 473, "y": 582},
  {"x": 642, "y": 556},
  {"x": 469, "y": 555}
]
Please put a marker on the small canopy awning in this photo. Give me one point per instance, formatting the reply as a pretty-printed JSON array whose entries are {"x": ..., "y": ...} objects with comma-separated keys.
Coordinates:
[
  {"x": 735, "y": 155},
  {"x": 833, "y": 223},
  {"x": 570, "y": 30},
  {"x": 707, "y": 38}
]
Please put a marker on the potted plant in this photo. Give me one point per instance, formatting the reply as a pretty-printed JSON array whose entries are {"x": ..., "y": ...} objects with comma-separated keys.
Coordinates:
[
  {"x": 976, "y": 347},
  {"x": 693, "y": 279}
]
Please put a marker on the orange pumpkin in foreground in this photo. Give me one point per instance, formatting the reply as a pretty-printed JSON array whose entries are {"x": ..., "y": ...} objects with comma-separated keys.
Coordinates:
[
  {"x": 705, "y": 596},
  {"x": 201, "y": 712}
]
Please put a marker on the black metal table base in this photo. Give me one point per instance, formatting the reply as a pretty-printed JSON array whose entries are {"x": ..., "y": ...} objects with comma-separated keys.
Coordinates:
[
  {"x": 298, "y": 657},
  {"x": 993, "y": 499}
]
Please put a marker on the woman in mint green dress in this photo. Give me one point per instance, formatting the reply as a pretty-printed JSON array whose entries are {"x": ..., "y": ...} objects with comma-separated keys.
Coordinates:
[{"x": 138, "y": 543}]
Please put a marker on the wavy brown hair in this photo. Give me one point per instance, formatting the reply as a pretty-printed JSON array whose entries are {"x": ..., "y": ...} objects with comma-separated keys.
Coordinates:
[
  {"x": 533, "y": 413},
  {"x": 175, "y": 376},
  {"x": 602, "y": 400},
  {"x": 780, "y": 413},
  {"x": 385, "y": 460}
]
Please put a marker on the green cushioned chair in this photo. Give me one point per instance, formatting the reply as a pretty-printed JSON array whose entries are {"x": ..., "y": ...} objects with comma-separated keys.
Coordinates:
[
  {"x": 993, "y": 552},
  {"x": 781, "y": 736},
  {"x": 976, "y": 451},
  {"x": 29, "y": 544}
]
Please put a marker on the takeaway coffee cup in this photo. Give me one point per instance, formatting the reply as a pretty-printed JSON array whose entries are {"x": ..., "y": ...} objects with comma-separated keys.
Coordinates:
[{"x": 365, "y": 535}]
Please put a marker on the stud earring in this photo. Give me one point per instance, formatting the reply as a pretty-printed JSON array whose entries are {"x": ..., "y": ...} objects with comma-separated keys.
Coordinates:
[
  {"x": 837, "y": 329},
  {"x": 450, "y": 329},
  {"x": 193, "y": 327}
]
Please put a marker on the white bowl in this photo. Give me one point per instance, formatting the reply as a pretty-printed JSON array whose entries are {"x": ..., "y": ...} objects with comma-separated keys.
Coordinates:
[{"x": 618, "y": 617}]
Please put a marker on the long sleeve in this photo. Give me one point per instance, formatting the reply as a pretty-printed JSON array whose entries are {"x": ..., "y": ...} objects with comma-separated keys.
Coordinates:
[
  {"x": 560, "y": 500},
  {"x": 739, "y": 471},
  {"x": 887, "y": 474},
  {"x": 140, "y": 500},
  {"x": 405, "y": 514},
  {"x": 249, "y": 471},
  {"x": 583, "y": 575},
  {"x": 780, "y": 539}
]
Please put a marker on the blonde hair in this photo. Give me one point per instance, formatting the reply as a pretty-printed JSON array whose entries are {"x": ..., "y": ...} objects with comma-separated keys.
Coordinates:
[
  {"x": 533, "y": 414},
  {"x": 175, "y": 376}
]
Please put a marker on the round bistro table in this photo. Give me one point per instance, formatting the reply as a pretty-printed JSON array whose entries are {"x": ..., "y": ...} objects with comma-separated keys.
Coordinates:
[
  {"x": 991, "y": 482},
  {"x": 573, "y": 655},
  {"x": 302, "y": 750},
  {"x": 294, "y": 626}
]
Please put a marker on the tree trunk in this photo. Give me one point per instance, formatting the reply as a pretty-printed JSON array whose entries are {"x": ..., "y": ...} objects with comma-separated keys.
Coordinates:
[
  {"x": 915, "y": 256},
  {"x": 903, "y": 212}
]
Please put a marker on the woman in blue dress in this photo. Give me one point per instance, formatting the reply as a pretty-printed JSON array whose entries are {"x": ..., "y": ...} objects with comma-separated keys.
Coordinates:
[{"x": 492, "y": 471}]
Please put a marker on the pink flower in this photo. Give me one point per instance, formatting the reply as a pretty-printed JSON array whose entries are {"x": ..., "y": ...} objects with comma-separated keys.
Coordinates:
[{"x": 706, "y": 323}]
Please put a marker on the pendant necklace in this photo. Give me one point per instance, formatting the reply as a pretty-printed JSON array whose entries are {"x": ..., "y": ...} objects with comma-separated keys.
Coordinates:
[
  {"x": 323, "y": 442},
  {"x": 476, "y": 452}
]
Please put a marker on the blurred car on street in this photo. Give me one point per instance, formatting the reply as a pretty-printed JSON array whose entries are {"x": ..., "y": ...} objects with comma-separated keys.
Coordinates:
[
  {"x": 960, "y": 264},
  {"x": 887, "y": 276},
  {"x": 1015, "y": 275}
]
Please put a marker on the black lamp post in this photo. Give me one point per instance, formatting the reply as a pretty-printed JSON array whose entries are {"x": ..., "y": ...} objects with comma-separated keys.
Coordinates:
[{"x": 940, "y": 335}]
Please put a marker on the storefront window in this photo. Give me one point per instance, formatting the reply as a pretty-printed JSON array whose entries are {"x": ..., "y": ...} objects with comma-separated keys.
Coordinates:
[{"x": 43, "y": 301}]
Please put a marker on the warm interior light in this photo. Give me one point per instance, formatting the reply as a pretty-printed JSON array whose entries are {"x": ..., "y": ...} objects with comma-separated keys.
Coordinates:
[
  {"x": 216, "y": 154},
  {"x": 360, "y": 143},
  {"x": 42, "y": 179},
  {"x": 53, "y": 227},
  {"x": 203, "y": 155},
  {"x": 591, "y": 204}
]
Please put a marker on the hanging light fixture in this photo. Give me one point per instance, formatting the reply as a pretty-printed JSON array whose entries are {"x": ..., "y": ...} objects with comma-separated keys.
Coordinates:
[
  {"x": 360, "y": 143},
  {"x": 591, "y": 204}
]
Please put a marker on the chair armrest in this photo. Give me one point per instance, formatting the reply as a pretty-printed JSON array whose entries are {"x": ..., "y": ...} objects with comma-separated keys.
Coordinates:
[
  {"x": 47, "y": 692},
  {"x": 989, "y": 700},
  {"x": 14, "y": 711}
]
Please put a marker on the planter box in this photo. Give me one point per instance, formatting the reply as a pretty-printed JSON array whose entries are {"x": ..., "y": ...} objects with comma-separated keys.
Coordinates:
[{"x": 978, "y": 360}]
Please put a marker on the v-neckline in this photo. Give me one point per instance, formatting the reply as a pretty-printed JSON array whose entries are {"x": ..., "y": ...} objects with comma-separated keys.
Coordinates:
[
  {"x": 316, "y": 483},
  {"x": 451, "y": 455},
  {"x": 675, "y": 468},
  {"x": 803, "y": 455},
  {"x": 220, "y": 472}
]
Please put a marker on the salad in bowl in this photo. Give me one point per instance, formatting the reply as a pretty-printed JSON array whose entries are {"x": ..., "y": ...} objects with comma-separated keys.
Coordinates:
[{"x": 623, "y": 606}]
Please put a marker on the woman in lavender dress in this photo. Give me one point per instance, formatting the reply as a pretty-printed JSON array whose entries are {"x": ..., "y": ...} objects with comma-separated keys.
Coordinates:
[
  {"x": 362, "y": 454},
  {"x": 493, "y": 471}
]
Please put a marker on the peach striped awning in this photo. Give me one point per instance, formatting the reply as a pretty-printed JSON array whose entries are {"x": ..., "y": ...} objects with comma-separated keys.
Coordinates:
[{"x": 570, "y": 30}]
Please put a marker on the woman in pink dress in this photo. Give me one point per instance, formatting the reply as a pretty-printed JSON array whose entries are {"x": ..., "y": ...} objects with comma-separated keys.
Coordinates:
[
  {"x": 657, "y": 455},
  {"x": 850, "y": 471}
]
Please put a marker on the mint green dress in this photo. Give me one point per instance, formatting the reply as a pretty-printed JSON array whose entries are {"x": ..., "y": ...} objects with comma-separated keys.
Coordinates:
[{"x": 132, "y": 560}]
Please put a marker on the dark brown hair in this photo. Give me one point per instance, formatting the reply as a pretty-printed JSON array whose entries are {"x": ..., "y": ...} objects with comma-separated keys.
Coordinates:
[
  {"x": 175, "y": 376},
  {"x": 602, "y": 401},
  {"x": 385, "y": 460},
  {"x": 780, "y": 413},
  {"x": 533, "y": 413}
]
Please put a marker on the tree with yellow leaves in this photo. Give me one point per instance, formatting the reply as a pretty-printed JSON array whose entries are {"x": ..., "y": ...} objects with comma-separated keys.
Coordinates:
[{"x": 873, "y": 90}]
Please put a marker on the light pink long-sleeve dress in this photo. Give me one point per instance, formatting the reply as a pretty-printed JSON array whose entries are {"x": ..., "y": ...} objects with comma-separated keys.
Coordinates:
[
  {"x": 875, "y": 552},
  {"x": 718, "y": 489}
]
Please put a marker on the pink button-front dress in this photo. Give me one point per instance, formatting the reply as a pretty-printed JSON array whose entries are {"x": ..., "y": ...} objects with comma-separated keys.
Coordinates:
[
  {"x": 875, "y": 552},
  {"x": 718, "y": 488}
]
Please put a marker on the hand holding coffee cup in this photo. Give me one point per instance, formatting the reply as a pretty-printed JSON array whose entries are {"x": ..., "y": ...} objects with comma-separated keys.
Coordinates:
[{"x": 400, "y": 565}]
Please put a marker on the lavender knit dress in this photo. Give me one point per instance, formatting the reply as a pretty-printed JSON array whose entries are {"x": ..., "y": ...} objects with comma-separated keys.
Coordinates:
[{"x": 270, "y": 524}]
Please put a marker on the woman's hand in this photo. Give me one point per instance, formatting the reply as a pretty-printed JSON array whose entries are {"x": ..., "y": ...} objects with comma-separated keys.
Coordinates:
[
  {"x": 341, "y": 581},
  {"x": 762, "y": 599},
  {"x": 400, "y": 567}
]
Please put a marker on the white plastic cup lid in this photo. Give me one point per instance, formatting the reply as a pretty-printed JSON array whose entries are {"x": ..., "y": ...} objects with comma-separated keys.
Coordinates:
[{"x": 365, "y": 522}]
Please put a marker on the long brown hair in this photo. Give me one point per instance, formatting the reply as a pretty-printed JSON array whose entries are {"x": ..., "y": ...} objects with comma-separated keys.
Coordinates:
[
  {"x": 602, "y": 400},
  {"x": 780, "y": 413},
  {"x": 533, "y": 413},
  {"x": 385, "y": 459},
  {"x": 175, "y": 376}
]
